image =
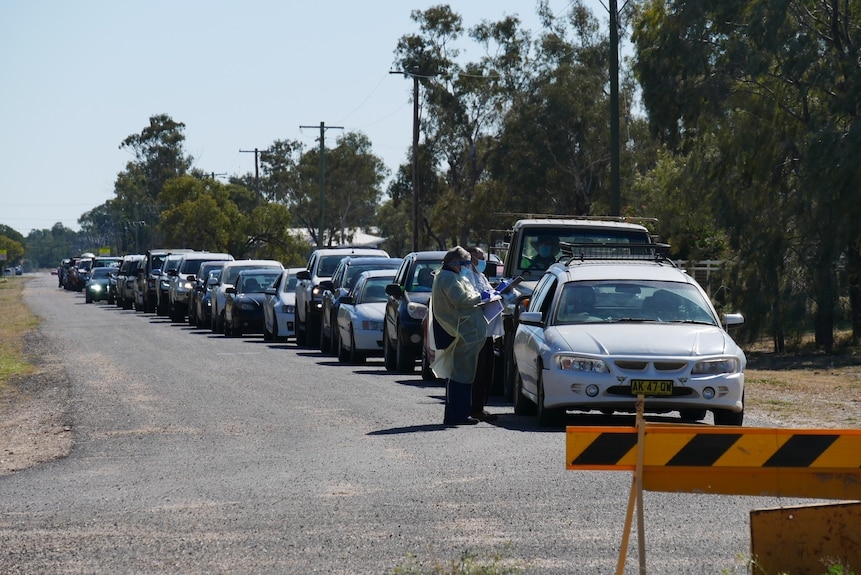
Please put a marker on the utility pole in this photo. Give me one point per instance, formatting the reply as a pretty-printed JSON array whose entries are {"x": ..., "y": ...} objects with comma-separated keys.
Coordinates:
[
  {"x": 615, "y": 185},
  {"x": 323, "y": 127},
  {"x": 256, "y": 153},
  {"x": 415, "y": 75}
]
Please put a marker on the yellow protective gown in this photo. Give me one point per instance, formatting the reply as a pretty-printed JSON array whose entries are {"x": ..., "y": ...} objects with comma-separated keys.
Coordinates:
[{"x": 454, "y": 306}]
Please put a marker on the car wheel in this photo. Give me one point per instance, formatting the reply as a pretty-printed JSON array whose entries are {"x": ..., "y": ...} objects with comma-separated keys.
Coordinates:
[
  {"x": 127, "y": 304},
  {"x": 727, "y": 417},
  {"x": 692, "y": 415},
  {"x": 325, "y": 342},
  {"x": 388, "y": 352},
  {"x": 548, "y": 417},
  {"x": 267, "y": 335},
  {"x": 87, "y": 298},
  {"x": 312, "y": 331},
  {"x": 355, "y": 355},
  {"x": 336, "y": 339},
  {"x": 343, "y": 354},
  {"x": 176, "y": 315},
  {"x": 406, "y": 362},
  {"x": 301, "y": 335},
  {"x": 522, "y": 405},
  {"x": 192, "y": 320},
  {"x": 509, "y": 369}
]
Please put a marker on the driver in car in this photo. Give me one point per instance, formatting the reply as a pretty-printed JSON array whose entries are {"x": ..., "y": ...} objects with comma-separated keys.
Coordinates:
[{"x": 547, "y": 248}]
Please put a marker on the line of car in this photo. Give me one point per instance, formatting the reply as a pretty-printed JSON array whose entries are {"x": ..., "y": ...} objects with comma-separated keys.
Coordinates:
[{"x": 603, "y": 325}]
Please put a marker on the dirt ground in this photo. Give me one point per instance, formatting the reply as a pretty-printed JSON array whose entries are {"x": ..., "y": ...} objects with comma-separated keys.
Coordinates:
[{"x": 799, "y": 391}]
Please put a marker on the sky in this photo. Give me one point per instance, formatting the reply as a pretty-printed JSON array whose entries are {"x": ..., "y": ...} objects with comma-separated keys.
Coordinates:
[{"x": 79, "y": 77}]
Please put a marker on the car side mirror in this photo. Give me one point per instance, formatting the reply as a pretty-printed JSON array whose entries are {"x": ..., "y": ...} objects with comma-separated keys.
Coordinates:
[
  {"x": 327, "y": 285},
  {"x": 270, "y": 291},
  {"x": 230, "y": 289},
  {"x": 303, "y": 275},
  {"x": 532, "y": 318},
  {"x": 347, "y": 299},
  {"x": 394, "y": 290},
  {"x": 733, "y": 320},
  {"x": 190, "y": 278}
]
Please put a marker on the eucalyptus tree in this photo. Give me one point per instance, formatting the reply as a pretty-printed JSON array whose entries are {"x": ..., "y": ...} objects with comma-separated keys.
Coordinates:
[
  {"x": 158, "y": 157},
  {"x": 766, "y": 94}
]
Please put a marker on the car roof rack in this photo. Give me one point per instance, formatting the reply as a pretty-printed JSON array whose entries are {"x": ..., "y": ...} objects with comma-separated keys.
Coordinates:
[
  {"x": 537, "y": 216},
  {"x": 589, "y": 251}
]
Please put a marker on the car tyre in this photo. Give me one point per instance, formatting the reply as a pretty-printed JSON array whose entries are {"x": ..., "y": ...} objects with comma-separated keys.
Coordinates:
[
  {"x": 343, "y": 354},
  {"x": 388, "y": 351},
  {"x": 267, "y": 335},
  {"x": 355, "y": 355},
  {"x": 522, "y": 405},
  {"x": 692, "y": 415},
  {"x": 548, "y": 417},
  {"x": 325, "y": 342},
  {"x": 727, "y": 417},
  {"x": 301, "y": 334},
  {"x": 404, "y": 359}
]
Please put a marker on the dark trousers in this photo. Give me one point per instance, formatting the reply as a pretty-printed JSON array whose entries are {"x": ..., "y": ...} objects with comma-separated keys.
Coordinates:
[
  {"x": 483, "y": 377},
  {"x": 457, "y": 402}
]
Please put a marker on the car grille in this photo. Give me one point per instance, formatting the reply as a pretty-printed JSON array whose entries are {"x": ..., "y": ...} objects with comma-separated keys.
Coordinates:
[{"x": 660, "y": 366}]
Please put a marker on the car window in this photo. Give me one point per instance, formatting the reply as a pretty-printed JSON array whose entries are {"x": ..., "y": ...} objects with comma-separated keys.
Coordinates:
[
  {"x": 422, "y": 277},
  {"x": 542, "y": 292},
  {"x": 255, "y": 283}
]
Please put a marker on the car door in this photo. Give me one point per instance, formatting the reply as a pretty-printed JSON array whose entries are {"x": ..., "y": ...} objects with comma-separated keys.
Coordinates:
[{"x": 529, "y": 339}]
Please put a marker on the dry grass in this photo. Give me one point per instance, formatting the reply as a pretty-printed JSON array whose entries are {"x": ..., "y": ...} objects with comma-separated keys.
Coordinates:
[
  {"x": 17, "y": 319},
  {"x": 806, "y": 388}
]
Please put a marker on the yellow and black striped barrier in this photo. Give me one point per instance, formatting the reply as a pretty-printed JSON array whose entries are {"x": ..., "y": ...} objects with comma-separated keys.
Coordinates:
[{"x": 821, "y": 464}]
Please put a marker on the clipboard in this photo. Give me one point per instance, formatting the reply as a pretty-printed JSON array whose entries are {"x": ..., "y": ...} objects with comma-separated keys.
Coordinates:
[{"x": 514, "y": 283}]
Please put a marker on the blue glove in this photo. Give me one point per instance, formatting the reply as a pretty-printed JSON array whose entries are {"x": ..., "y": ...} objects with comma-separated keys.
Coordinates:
[
  {"x": 485, "y": 295},
  {"x": 501, "y": 286}
]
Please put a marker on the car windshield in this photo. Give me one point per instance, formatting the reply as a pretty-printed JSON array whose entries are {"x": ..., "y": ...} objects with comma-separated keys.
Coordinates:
[
  {"x": 233, "y": 272},
  {"x": 374, "y": 290},
  {"x": 290, "y": 284},
  {"x": 101, "y": 273},
  {"x": 326, "y": 265},
  {"x": 256, "y": 282},
  {"x": 422, "y": 278},
  {"x": 542, "y": 247},
  {"x": 631, "y": 301}
]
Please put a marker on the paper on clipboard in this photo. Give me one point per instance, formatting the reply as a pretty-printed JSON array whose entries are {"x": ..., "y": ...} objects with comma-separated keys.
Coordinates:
[{"x": 491, "y": 308}]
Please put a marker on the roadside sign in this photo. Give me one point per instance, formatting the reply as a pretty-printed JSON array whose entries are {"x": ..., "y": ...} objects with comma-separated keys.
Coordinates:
[{"x": 811, "y": 463}]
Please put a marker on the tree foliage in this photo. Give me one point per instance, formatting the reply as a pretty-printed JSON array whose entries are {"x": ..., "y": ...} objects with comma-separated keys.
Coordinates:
[{"x": 764, "y": 96}]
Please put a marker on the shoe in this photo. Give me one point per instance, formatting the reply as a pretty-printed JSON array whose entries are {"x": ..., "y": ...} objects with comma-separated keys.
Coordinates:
[
  {"x": 467, "y": 421},
  {"x": 485, "y": 416}
]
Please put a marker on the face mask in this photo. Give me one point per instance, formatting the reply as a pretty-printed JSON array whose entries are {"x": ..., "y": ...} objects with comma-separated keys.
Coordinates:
[
  {"x": 464, "y": 271},
  {"x": 545, "y": 251},
  {"x": 481, "y": 266}
]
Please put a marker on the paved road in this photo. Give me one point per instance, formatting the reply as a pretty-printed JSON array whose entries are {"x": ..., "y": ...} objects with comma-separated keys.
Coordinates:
[{"x": 196, "y": 453}]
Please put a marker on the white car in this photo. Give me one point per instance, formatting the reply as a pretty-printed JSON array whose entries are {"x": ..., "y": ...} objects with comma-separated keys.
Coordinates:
[
  {"x": 227, "y": 279},
  {"x": 598, "y": 333},
  {"x": 279, "y": 307},
  {"x": 361, "y": 314}
]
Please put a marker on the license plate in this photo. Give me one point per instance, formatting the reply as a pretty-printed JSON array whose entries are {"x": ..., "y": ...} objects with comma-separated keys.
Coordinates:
[{"x": 651, "y": 387}]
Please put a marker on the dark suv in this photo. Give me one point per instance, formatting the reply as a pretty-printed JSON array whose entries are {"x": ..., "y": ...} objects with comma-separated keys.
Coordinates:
[
  {"x": 340, "y": 285},
  {"x": 406, "y": 308}
]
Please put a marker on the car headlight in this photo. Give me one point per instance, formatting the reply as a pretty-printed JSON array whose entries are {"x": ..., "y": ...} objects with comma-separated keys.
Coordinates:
[
  {"x": 246, "y": 306},
  {"x": 416, "y": 310},
  {"x": 715, "y": 366},
  {"x": 185, "y": 286},
  {"x": 316, "y": 291},
  {"x": 369, "y": 325},
  {"x": 578, "y": 363},
  {"x": 96, "y": 287},
  {"x": 164, "y": 284},
  {"x": 288, "y": 309}
]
